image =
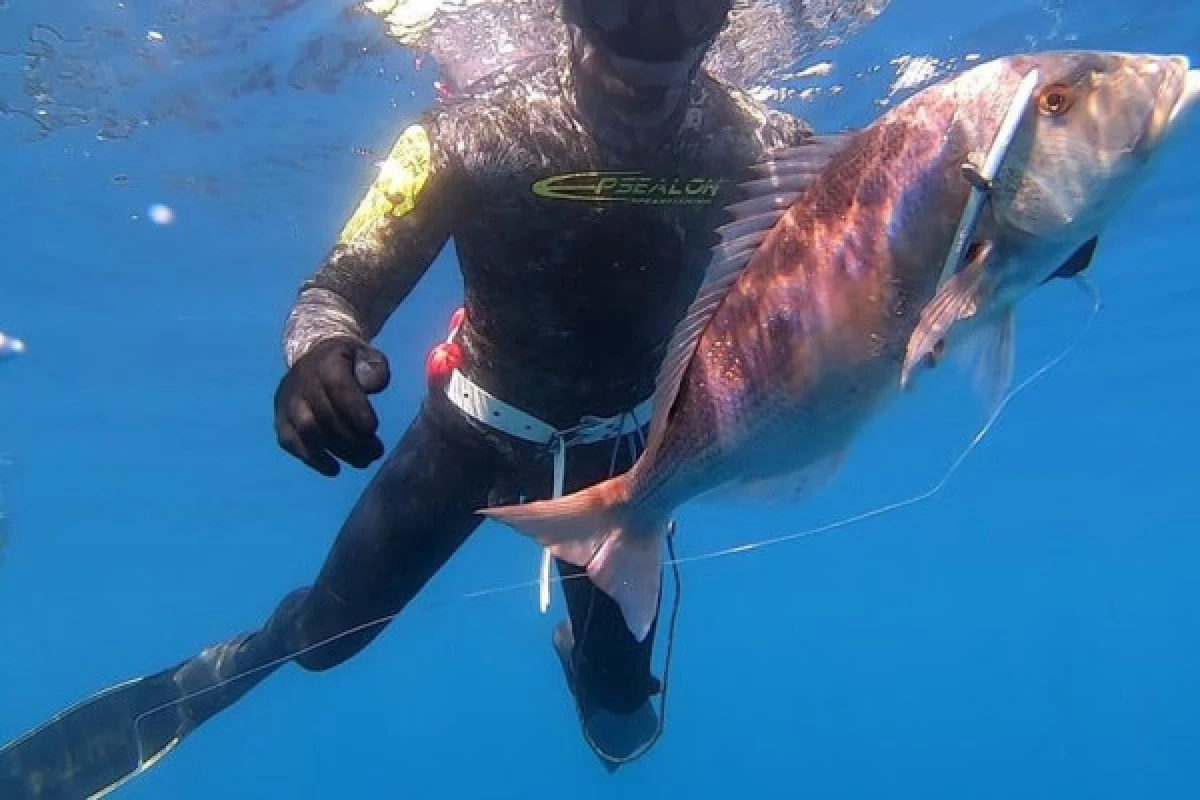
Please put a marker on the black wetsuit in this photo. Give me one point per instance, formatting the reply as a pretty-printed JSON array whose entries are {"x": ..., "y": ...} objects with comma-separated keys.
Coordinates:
[{"x": 573, "y": 286}]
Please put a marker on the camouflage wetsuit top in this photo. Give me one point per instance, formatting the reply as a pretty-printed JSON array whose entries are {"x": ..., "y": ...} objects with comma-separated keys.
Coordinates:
[{"x": 578, "y": 258}]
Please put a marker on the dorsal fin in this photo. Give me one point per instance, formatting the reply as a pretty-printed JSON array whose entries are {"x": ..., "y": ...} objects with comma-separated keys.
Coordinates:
[
  {"x": 785, "y": 174},
  {"x": 809, "y": 156}
]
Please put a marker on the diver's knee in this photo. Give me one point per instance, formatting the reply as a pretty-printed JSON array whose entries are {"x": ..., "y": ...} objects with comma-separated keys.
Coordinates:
[
  {"x": 319, "y": 630},
  {"x": 293, "y": 629},
  {"x": 284, "y": 628},
  {"x": 290, "y": 608},
  {"x": 322, "y": 656}
]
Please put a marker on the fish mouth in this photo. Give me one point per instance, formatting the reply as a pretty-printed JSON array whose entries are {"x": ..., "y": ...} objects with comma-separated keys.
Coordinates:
[
  {"x": 1188, "y": 94},
  {"x": 1177, "y": 95}
]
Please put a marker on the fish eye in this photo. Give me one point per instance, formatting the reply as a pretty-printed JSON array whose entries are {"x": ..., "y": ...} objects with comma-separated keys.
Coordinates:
[{"x": 1055, "y": 100}]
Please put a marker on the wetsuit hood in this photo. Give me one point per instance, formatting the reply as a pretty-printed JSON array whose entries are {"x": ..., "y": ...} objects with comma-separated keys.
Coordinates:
[{"x": 634, "y": 60}]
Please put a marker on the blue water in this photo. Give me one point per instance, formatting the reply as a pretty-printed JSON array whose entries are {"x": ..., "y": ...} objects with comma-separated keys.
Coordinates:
[{"x": 1030, "y": 631}]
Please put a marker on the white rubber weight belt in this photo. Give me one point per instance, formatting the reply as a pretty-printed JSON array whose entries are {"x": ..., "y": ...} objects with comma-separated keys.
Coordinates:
[{"x": 483, "y": 406}]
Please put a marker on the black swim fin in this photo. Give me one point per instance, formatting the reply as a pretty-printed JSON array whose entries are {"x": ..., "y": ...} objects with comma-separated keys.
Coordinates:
[
  {"x": 96, "y": 746},
  {"x": 616, "y": 739}
]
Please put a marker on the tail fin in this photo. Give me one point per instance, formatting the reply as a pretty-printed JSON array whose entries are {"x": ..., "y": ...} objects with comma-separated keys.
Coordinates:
[
  {"x": 575, "y": 518},
  {"x": 628, "y": 569},
  {"x": 596, "y": 529}
]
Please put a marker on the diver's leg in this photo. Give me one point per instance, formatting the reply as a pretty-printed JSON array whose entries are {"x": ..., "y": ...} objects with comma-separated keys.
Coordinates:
[
  {"x": 608, "y": 669},
  {"x": 419, "y": 511},
  {"x": 413, "y": 516}
]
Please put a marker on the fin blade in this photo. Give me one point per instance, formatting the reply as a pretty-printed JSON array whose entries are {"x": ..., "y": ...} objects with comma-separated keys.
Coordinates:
[
  {"x": 785, "y": 174},
  {"x": 628, "y": 569},
  {"x": 989, "y": 356},
  {"x": 68, "y": 762}
]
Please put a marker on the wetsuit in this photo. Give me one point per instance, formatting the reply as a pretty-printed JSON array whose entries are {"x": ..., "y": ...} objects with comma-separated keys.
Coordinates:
[{"x": 579, "y": 253}]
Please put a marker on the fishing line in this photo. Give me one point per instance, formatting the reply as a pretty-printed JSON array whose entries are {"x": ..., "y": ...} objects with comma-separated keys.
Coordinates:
[
  {"x": 1092, "y": 294},
  {"x": 675, "y": 562}
]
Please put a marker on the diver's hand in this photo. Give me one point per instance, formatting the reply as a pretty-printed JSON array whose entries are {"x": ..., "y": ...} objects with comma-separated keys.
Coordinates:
[{"x": 322, "y": 413}]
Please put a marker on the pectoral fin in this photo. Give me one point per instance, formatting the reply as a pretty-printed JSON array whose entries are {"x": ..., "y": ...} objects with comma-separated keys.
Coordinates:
[
  {"x": 988, "y": 356},
  {"x": 959, "y": 299}
]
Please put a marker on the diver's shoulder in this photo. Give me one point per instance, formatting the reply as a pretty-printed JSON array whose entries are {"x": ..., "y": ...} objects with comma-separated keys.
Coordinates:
[
  {"x": 498, "y": 107},
  {"x": 732, "y": 105},
  {"x": 506, "y": 90}
]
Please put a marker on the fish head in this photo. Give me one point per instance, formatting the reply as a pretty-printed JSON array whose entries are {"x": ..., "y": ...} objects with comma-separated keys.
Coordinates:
[
  {"x": 1094, "y": 124},
  {"x": 1088, "y": 124}
]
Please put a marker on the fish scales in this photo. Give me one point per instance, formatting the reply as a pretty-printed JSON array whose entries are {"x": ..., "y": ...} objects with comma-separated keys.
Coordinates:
[
  {"x": 842, "y": 277},
  {"x": 815, "y": 326}
]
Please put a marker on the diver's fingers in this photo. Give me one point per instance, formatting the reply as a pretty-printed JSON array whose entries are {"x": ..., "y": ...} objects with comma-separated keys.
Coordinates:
[
  {"x": 357, "y": 445},
  {"x": 318, "y": 460},
  {"x": 349, "y": 400},
  {"x": 340, "y": 437},
  {"x": 358, "y": 451},
  {"x": 371, "y": 370},
  {"x": 298, "y": 434},
  {"x": 365, "y": 451}
]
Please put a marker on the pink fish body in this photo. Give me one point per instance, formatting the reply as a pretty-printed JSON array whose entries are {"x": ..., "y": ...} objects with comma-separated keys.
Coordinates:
[{"x": 827, "y": 294}]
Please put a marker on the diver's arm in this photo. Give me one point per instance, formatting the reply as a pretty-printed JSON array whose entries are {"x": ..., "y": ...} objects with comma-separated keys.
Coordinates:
[
  {"x": 397, "y": 231},
  {"x": 322, "y": 411}
]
